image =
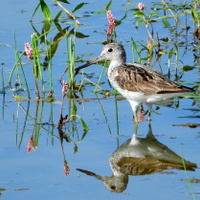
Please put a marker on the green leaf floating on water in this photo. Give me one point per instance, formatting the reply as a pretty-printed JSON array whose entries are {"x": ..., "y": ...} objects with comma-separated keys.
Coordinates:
[
  {"x": 18, "y": 97},
  {"x": 2, "y": 189},
  {"x": 139, "y": 14},
  {"x": 187, "y": 68}
]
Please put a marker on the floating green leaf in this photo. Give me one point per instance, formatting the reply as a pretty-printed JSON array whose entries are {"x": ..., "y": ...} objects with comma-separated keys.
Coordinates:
[
  {"x": 3, "y": 189},
  {"x": 165, "y": 22},
  {"x": 18, "y": 97},
  {"x": 139, "y": 14},
  {"x": 98, "y": 12},
  {"x": 1, "y": 44},
  {"x": 187, "y": 68},
  {"x": 78, "y": 34}
]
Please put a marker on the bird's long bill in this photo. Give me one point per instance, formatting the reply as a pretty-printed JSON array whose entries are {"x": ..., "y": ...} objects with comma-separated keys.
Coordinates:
[
  {"x": 91, "y": 62},
  {"x": 91, "y": 174}
]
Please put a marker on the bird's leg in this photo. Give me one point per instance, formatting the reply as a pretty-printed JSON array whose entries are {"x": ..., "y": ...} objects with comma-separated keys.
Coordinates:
[
  {"x": 135, "y": 106},
  {"x": 135, "y": 123},
  {"x": 150, "y": 133},
  {"x": 149, "y": 116},
  {"x": 149, "y": 110}
]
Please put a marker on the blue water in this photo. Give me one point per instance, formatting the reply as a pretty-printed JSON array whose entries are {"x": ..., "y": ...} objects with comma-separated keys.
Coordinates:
[{"x": 40, "y": 174}]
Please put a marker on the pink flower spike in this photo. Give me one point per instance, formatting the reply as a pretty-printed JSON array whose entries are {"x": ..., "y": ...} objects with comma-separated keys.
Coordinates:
[
  {"x": 28, "y": 51},
  {"x": 141, "y": 7},
  {"x": 64, "y": 88},
  {"x": 31, "y": 145},
  {"x": 111, "y": 19},
  {"x": 140, "y": 115},
  {"x": 111, "y": 22},
  {"x": 50, "y": 94},
  {"x": 66, "y": 168}
]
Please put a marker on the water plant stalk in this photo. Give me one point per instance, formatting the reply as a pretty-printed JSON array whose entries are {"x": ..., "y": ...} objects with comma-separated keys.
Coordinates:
[{"x": 71, "y": 61}]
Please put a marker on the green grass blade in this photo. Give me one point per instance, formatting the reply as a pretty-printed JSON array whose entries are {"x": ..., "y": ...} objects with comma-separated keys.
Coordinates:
[
  {"x": 2, "y": 91},
  {"x": 37, "y": 7},
  {"x": 84, "y": 125},
  {"x": 79, "y": 6},
  {"x": 63, "y": 1}
]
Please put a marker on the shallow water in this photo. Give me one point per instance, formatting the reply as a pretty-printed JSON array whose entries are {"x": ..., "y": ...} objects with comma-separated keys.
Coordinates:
[{"x": 40, "y": 174}]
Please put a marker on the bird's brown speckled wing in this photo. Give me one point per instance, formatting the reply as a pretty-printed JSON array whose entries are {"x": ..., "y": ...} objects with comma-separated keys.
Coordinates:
[{"x": 146, "y": 80}]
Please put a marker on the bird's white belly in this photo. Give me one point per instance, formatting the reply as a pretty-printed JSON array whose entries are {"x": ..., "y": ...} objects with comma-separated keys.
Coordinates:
[{"x": 143, "y": 98}]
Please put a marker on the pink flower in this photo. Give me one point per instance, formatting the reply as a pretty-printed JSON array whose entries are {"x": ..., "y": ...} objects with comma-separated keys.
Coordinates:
[
  {"x": 50, "y": 94},
  {"x": 111, "y": 22},
  {"x": 64, "y": 88},
  {"x": 141, "y": 7},
  {"x": 28, "y": 51},
  {"x": 66, "y": 168},
  {"x": 31, "y": 145},
  {"x": 140, "y": 115}
]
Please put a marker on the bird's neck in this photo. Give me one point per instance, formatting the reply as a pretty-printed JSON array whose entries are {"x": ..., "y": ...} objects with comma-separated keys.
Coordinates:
[
  {"x": 113, "y": 68},
  {"x": 116, "y": 63}
]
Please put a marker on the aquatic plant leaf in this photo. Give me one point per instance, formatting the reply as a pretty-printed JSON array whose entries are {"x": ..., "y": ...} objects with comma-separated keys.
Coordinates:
[
  {"x": 45, "y": 29},
  {"x": 18, "y": 97},
  {"x": 58, "y": 15},
  {"x": 171, "y": 52},
  {"x": 84, "y": 125},
  {"x": 84, "y": 134},
  {"x": 3, "y": 189},
  {"x": 153, "y": 14},
  {"x": 1, "y": 44},
  {"x": 124, "y": 17},
  {"x": 108, "y": 5},
  {"x": 45, "y": 10},
  {"x": 75, "y": 148},
  {"x": 195, "y": 16},
  {"x": 78, "y": 34},
  {"x": 79, "y": 6},
  {"x": 165, "y": 22},
  {"x": 139, "y": 14},
  {"x": 187, "y": 68},
  {"x": 64, "y": 1},
  {"x": 49, "y": 99},
  {"x": 37, "y": 7},
  {"x": 98, "y": 12}
]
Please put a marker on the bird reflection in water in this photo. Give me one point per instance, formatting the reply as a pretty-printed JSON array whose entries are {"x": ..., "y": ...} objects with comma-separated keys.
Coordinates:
[{"x": 140, "y": 156}]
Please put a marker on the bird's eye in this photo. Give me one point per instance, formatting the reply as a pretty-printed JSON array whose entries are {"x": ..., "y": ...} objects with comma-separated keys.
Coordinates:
[{"x": 110, "y": 50}]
